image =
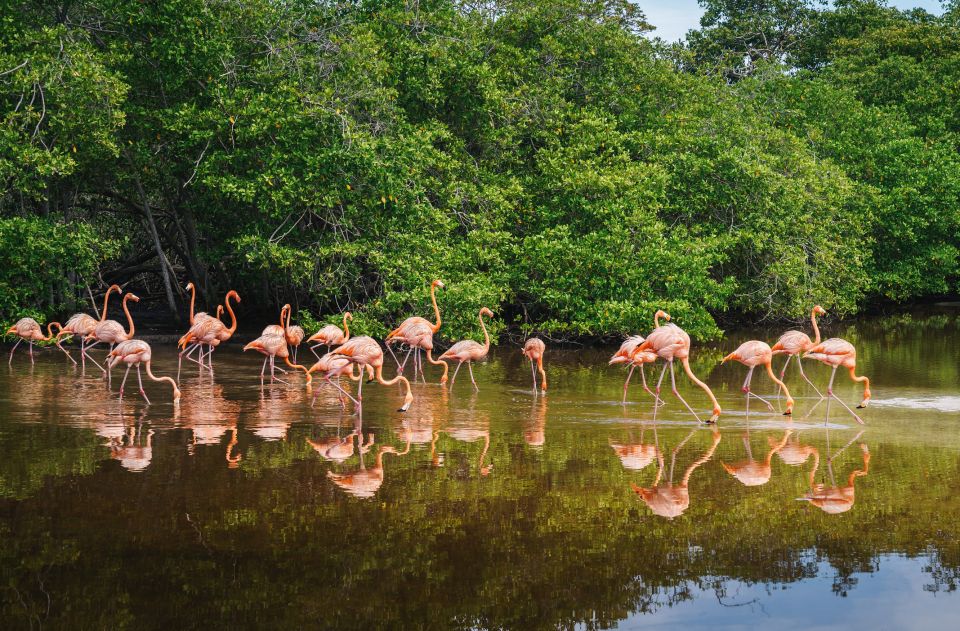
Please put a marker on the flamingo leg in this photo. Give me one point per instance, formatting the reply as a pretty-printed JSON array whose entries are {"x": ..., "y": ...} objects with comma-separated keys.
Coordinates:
[
  {"x": 807, "y": 379},
  {"x": 140, "y": 381},
  {"x": 107, "y": 368},
  {"x": 839, "y": 400},
  {"x": 403, "y": 365},
  {"x": 394, "y": 355},
  {"x": 13, "y": 350},
  {"x": 342, "y": 391},
  {"x": 673, "y": 385},
  {"x": 314, "y": 351},
  {"x": 643, "y": 378},
  {"x": 625, "y": 383},
  {"x": 455, "y": 374},
  {"x": 65, "y": 351},
  {"x": 783, "y": 371},
  {"x": 90, "y": 357},
  {"x": 30, "y": 342},
  {"x": 533, "y": 372},
  {"x": 746, "y": 389},
  {"x": 470, "y": 368},
  {"x": 124, "y": 382},
  {"x": 264, "y": 368}
]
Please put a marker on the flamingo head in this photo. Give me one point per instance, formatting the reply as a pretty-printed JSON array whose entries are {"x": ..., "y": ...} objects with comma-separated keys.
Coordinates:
[
  {"x": 662, "y": 314},
  {"x": 348, "y": 316},
  {"x": 232, "y": 294},
  {"x": 133, "y": 297},
  {"x": 438, "y": 283},
  {"x": 486, "y": 312},
  {"x": 189, "y": 286},
  {"x": 729, "y": 357},
  {"x": 819, "y": 310}
]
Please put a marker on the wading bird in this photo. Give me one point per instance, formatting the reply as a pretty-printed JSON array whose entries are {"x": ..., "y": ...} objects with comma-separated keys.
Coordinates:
[
  {"x": 330, "y": 335},
  {"x": 273, "y": 346},
  {"x": 836, "y": 352},
  {"x": 470, "y": 351},
  {"x": 28, "y": 329},
  {"x": 671, "y": 342},
  {"x": 294, "y": 335},
  {"x": 81, "y": 325},
  {"x": 419, "y": 337},
  {"x": 111, "y": 332},
  {"x": 364, "y": 351},
  {"x": 195, "y": 317},
  {"x": 627, "y": 354},
  {"x": 332, "y": 366},
  {"x": 792, "y": 343},
  {"x": 201, "y": 333},
  {"x": 133, "y": 353},
  {"x": 396, "y": 336},
  {"x": 533, "y": 349},
  {"x": 278, "y": 329},
  {"x": 752, "y": 354},
  {"x": 212, "y": 332}
]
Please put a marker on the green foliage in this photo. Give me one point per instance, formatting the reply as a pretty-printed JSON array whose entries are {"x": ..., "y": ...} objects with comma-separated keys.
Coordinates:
[{"x": 541, "y": 157}]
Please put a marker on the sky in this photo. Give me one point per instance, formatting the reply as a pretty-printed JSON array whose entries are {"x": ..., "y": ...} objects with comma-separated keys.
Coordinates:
[{"x": 673, "y": 18}]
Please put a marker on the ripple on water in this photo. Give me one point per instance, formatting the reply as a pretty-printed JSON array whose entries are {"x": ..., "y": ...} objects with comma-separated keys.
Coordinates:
[{"x": 940, "y": 404}]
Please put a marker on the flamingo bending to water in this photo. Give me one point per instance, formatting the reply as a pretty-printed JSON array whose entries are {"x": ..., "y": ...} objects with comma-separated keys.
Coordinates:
[
  {"x": 28, "y": 329},
  {"x": 273, "y": 346},
  {"x": 533, "y": 349},
  {"x": 111, "y": 332},
  {"x": 470, "y": 351},
  {"x": 792, "y": 343},
  {"x": 330, "y": 366},
  {"x": 627, "y": 354},
  {"x": 397, "y": 336},
  {"x": 330, "y": 335},
  {"x": 82, "y": 325},
  {"x": 752, "y": 354},
  {"x": 671, "y": 342},
  {"x": 133, "y": 353},
  {"x": 837, "y": 352},
  {"x": 419, "y": 337},
  {"x": 213, "y": 332},
  {"x": 364, "y": 351}
]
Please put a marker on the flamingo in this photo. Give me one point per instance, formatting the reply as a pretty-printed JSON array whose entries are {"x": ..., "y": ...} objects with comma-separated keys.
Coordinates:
[
  {"x": 669, "y": 500},
  {"x": 419, "y": 336},
  {"x": 195, "y": 317},
  {"x": 278, "y": 329},
  {"x": 750, "y": 472},
  {"x": 212, "y": 331},
  {"x": 28, "y": 329},
  {"x": 671, "y": 342},
  {"x": 81, "y": 325},
  {"x": 792, "y": 343},
  {"x": 331, "y": 365},
  {"x": 627, "y": 354},
  {"x": 331, "y": 335},
  {"x": 395, "y": 335},
  {"x": 111, "y": 332},
  {"x": 793, "y": 453},
  {"x": 752, "y": 354},
  {"x": 134, "y": 353},
  {"x": 364, "y": 351},
  {"x": 294, "y": 335},
  {"x": 273, "y": 346},
  {"x": 533, "y": 349},
  {"x": 202, "y": 332},
  {"x": 470, "y": 351},
  {"x": 837, "y": 352}
]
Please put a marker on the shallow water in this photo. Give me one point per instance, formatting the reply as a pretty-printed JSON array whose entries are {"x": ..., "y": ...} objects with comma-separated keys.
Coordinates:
[{"x": 495, "y": 509}]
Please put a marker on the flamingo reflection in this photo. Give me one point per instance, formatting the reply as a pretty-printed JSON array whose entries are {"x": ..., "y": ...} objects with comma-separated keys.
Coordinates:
[
  {"x": 751, "y": 472},
  {"x": 671, "y": 500},
  {"x": 364, "y": 482},
  {"x": 637, "y": 456},
  {"x": 836, "y": 499},
  {"x": 534, "y": 430}
]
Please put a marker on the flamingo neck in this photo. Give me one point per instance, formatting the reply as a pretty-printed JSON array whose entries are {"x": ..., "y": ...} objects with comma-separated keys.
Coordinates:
[
  {"x": 106, "y": 301},
  {"x": 543, "y": 373},
  {"x": 126, "y": 310},
  {"x": 780, "y": 383},
  {"x": 233, "y": 316},
  {"x": 436, "y": 309},
  {"x": 686, "y": 367},
  {"x": 346, "y": 331},
  {"x": 305, "y": 370},
  {"x": 486, "y": 335},
  {"x": 699, "y": 461},
  {"x": 173, "y": 384},
  {"x": 816, "y": 329},
  {"x": 50, "y": 333},
  {"x": 193, "y": 299}
]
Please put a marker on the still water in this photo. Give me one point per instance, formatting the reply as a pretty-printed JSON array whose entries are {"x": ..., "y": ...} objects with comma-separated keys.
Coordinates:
[{"x": 249, "y": 506}]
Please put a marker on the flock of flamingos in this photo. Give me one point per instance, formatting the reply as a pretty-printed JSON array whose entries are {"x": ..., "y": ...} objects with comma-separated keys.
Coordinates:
[{"x": 667, "y": 342}]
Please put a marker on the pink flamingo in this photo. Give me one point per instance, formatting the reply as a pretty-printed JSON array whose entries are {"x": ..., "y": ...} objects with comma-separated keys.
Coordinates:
[
  {"x": 396, "y": 335},
  {"x": 81, "y": 325},
  {"x": 627, "y": 353},
  {"x": 837, "y": 352},
  {"x": 330, "y": 335},
  {"x": 134, "y": 353},
  {"x": 792, "y": 343},
  {"x": 364, "y": 351},
  {"x": 294, "y": 335},
  {"x": 533, "y": 349},
  {"x": 419, "y": 336},
  {"x": 28, "y": 329},
  {"x": 836, "y": 499},
  {"x": 470, "y": 351},
  {"x": 671, "y": 342},
  {"x": 752, "y": 354},
  {"x": 332, "y": 366},
  {"x": 201, "y": 333},
  {"x": 111, "y": 332},
  {"x": 195, "y": 317},
  {"x": 278, "y": 329},
  {"x": 211, "y": 332},
  {"x": 273, "y": 346}
]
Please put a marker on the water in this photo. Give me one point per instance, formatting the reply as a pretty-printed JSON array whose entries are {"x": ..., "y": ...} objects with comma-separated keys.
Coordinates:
[{"x": 249, "y": 507}]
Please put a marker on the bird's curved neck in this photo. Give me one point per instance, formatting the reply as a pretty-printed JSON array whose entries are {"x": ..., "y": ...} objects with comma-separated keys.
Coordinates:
[
  {"x": 816, "y": 329},
  {"x": 193, "y": 300},
  {"x": 106, "y": 301},
  {"x": 436, "y": 309},
  {"x": 486, "y": 335},
  {"x": 233, "y": 316},
  {"x": 50, "y": 332},
  {"x": 126, "y": 310},
  {"x": 173, "y": 384},
  {"x": 346, "y": 328}
]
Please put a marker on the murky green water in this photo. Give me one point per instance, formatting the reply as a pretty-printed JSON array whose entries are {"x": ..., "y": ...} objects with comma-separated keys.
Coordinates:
[{"x": 495, "y": 509}]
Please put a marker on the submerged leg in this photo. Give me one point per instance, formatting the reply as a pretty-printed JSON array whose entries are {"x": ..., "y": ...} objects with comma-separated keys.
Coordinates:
[
  {"x": 456, "y": 370},
  {"x": 533, "y": 373},
  {"x": 124, "y": 382},
  {"x": 143, "y": 393},
  {"x": 13, "y": 350},
  {"x": 30, "y": 342}
]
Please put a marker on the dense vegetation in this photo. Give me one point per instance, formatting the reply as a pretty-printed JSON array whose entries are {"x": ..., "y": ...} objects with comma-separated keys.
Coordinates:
[{"x": 545, "y": 158}]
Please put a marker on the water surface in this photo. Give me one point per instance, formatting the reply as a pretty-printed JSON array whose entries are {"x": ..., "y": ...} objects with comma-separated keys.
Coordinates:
[{"x": 499, "y": 509}]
